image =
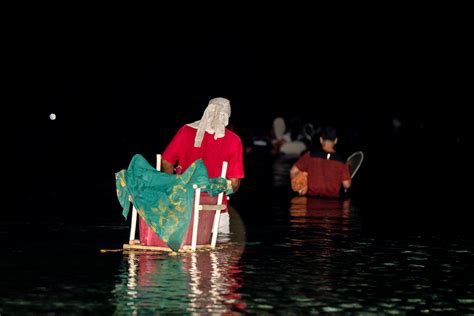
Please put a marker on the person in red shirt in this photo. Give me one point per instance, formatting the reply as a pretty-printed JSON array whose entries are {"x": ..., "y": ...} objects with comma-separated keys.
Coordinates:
[
  {"x": 325, "y": 168},
  {"x": 208, "y": 139}
]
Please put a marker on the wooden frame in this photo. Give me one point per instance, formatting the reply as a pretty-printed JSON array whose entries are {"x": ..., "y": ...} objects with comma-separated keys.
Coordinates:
[{"x": 198, "y": 207}]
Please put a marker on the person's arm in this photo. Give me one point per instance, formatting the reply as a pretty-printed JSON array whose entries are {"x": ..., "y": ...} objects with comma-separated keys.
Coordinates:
[
  {"x": 173, "y": 151},
  {"x": 302, "y": 162},
  {"x": 167, "y": 167},
  {"x": 235, "y": 167},
  {"x": 294, "y": 171},
  {"x": 235, "y": 183},
  {"x": 347, "y": 184}
]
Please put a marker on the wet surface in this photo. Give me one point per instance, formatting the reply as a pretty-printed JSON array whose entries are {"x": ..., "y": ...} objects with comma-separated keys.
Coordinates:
[
  {"x": 397, "y": 246},
  {"x": 311, "y": 256},
  {"x": 403, "y": 245}
]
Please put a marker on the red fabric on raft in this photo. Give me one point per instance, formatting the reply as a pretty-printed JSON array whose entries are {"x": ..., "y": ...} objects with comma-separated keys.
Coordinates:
[{"x": 206, "y": 219}]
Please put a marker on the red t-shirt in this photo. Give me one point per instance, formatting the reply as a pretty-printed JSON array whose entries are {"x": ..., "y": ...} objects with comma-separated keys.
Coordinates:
[
  {"x": 325, "y": 173},
  {"x": 212, "y": 151}
]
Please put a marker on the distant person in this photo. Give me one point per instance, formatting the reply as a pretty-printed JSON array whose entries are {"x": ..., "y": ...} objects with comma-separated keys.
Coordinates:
[
  {"x": 208, "y": 139},
  {"x": 279, "y": 135},
  {"x": 321, "y": 172},
  {"x": 287, "y": 150},
  {"x": 288, "y": 140}
]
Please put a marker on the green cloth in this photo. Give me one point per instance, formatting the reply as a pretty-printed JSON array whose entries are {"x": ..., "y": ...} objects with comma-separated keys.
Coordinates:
[{"x": 164, "y": 201}]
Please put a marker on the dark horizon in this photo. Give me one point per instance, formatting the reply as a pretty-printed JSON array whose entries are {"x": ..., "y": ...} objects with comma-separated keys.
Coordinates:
[
  {"x": 114, "y": 98},
  {"x": 393, "y": 81}
]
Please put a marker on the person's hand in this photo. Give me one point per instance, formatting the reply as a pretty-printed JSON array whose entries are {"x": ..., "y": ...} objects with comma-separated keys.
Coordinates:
[
  {"x": 303, "y": 191},
  {"x": 229, "y": 190}
]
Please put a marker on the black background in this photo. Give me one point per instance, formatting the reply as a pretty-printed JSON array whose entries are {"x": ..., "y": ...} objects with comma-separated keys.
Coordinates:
[{"x": 118, "y": 89}]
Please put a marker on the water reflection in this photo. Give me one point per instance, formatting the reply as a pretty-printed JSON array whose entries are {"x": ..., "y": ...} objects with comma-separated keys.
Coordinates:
[
  {"x": 327, "y": 218},
  {"x": 320, "y": 212},
  {"x": 317, "y": 226},
  {"x": 327, "y": 264},
  {"x": 199, "y": 282},
  {"x": 314, "y": 256}
]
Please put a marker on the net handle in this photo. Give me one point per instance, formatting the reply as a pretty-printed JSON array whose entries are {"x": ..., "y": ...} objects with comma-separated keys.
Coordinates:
[{"x": 360, "y": 162}]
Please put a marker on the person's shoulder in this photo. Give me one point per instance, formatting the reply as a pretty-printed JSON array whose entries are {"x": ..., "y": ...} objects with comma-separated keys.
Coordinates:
[
  {"x": 186, "y": 129},
  {"x": 304, "y": 155},
  {"x": 231, "y": 135}
]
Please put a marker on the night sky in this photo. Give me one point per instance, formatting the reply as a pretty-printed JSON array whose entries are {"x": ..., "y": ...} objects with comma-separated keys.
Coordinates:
[{"x": 117, "y": 92}]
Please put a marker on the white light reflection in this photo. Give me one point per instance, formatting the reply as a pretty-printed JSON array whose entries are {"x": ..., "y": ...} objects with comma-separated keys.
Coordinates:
[{"x": 132, "y": 282}]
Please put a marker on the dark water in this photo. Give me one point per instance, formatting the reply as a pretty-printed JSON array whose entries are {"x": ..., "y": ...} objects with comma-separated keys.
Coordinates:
[
  {"x": 391, "y": 248},
  {"x": 310, "y": 256}
]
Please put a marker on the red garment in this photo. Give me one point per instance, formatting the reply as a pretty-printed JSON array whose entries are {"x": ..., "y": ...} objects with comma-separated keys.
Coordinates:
[
  {"x": 325, "y": 175},
  {"x": 212, "y": 151}
]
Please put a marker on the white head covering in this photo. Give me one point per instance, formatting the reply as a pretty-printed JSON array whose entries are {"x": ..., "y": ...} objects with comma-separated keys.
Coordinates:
[{"x": 214, "y": 120}]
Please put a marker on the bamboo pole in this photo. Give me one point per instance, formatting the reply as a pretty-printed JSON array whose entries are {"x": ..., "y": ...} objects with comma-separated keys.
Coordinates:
[
  {"x": 217, "y": 216},
  {"x": 197, "y": 200}
]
